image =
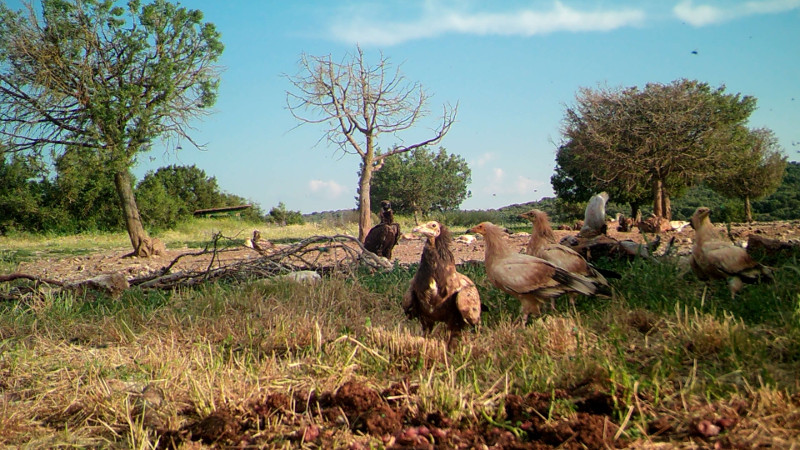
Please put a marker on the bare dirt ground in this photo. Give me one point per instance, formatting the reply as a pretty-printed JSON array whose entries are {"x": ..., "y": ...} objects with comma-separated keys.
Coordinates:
[{"x": 407, "y": 251}]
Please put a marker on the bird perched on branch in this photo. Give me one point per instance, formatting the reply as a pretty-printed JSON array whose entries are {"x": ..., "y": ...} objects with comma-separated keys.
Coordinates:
[
  {"x": 594, "y": 219},
  {"x": 713, "y": 257},
  {"x": 530, "y": 279},
  {"x": 542, "y": 244},
  {"x": 438, "y": 293},
  {"x": 382, "y": 238}
]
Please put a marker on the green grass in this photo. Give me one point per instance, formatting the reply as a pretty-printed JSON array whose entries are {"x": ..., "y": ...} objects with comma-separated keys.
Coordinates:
[{"x": 665, "y": 346}]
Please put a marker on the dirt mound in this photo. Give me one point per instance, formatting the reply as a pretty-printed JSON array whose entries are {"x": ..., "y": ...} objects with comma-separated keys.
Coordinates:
[{"x": 529, "y": 423}]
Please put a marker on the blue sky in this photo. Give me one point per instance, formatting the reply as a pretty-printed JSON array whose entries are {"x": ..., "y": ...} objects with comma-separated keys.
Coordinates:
[{"x": 511, "y": 66}]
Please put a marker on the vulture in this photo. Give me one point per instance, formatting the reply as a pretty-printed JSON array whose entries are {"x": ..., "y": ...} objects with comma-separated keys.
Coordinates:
[
  {"x": 382, "y": 238},
  {"x": 530, "y": 279},
  {"x": 713, "y": 257},
  {"x": 438, "y": 293},
  {"x": 543, "y": 245},
  {"x": 624, "y": 224},
  {"x": 594, "y": 219}
]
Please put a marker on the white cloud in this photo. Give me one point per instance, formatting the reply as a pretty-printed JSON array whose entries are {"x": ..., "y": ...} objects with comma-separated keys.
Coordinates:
[
  {"x": 525, "y": 185},
  {"x": 483, "y": 159},
  {"x": 327, "y": 189},
  {"x": 498, "y": 175},
  {"x": 435, "y": 21},
  {"x": 706, "y": 14}
]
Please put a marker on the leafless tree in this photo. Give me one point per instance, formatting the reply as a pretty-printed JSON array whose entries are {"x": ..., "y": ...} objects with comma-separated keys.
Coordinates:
[{"x": 357, "y": 103}]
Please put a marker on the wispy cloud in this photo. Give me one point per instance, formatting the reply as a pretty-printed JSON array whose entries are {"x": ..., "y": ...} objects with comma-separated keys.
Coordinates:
[
  {"x": 483, "y": 159},
  {"x": 326, "y": 189},
  {"x": 435, "y": 20},
  {"x": 699, "y": 15}
]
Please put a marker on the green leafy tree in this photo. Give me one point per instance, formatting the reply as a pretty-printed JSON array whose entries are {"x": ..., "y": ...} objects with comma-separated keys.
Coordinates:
[
  {"x": 784, "y": 204},
  {"x": 189, "y": 184},
  {"x": 84, "y": 190},
  {"x": 21, "y": 196},
  {"x": 358, "y": 103},
  {"x": 172, "y": 194},
  {"x": 281, "y": 216},
  {"x": 421, "y": 181},
  {"x": 89, "y": 74},
  {"x": 754, "y": 170},
  {"x": 574, "y": 185},
  {"x": 663, "y": 137}
]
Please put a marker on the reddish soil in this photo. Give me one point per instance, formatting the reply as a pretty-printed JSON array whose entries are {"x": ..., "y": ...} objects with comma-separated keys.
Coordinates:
[{"x": 313, "y": 419}]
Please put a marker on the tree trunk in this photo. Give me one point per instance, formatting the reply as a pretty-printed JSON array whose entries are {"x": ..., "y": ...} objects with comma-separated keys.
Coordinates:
[
  {"x": 364, "y": 213},
  {"x": 143, "y": 245},
  {"x": 658, "y": 201},
  {"x": 666, "y": 204},
  {"x": 748, "y": 210}
]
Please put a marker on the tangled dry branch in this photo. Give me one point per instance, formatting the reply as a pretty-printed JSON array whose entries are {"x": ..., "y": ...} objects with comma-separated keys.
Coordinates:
[{"x": 322, "y": 254}]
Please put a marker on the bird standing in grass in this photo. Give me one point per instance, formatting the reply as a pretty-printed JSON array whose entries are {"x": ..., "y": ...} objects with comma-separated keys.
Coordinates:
[
  {"x": 530, "y": 279},
  {"x": 713, "y": 257},
  {"x": 543, "y": 245},
  {"x": 382, "y": 238},
  {"x": 438, "y": 293}
]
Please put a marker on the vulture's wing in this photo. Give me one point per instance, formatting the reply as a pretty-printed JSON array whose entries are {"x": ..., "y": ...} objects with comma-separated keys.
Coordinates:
[
  {"x": 566, "y": 258},
  {"x": 374, "y": 239},
  {"x": 522, "y": 273},
  {"x": 729, "y": 259},
  {"x": 468, "y": 299},
  {"x": 410, "y": 302},
  {"x": 698, "y": 271},
  {"x": 397, "y": 233}
]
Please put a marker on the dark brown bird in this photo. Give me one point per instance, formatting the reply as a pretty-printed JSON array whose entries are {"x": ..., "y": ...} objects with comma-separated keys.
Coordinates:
[
  {"x": 438, "y": 293},
  {"x": 382, "y": 238},
  {"x": 530, "y": 279},
  {"x": 713, "y": 257}
]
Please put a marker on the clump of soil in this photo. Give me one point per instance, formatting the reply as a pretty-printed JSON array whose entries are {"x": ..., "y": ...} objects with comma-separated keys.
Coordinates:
[{"x": 529, "y": 422}]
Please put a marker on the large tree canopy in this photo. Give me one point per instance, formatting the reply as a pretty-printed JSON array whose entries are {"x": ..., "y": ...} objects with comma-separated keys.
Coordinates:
[
  {"x": 87, "y": 74},
  {"x": 422, "y": 181},
  {"x": 358, "y": 103},
  {"x": 663, "y": 137}
]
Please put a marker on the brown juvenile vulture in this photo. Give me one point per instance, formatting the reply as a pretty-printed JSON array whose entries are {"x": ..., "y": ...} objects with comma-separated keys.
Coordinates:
[
  {"x": 382, "y": 238},
  {"x": 713, "y": 257},
  {"x": 530, "y": 279},
  {"x": 438, "y": 293}
]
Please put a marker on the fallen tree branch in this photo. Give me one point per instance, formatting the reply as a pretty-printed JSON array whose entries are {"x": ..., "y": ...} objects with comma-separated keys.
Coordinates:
[
  {"x": 322, "y": 254},
  {"x": 25, "y": 276}
]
